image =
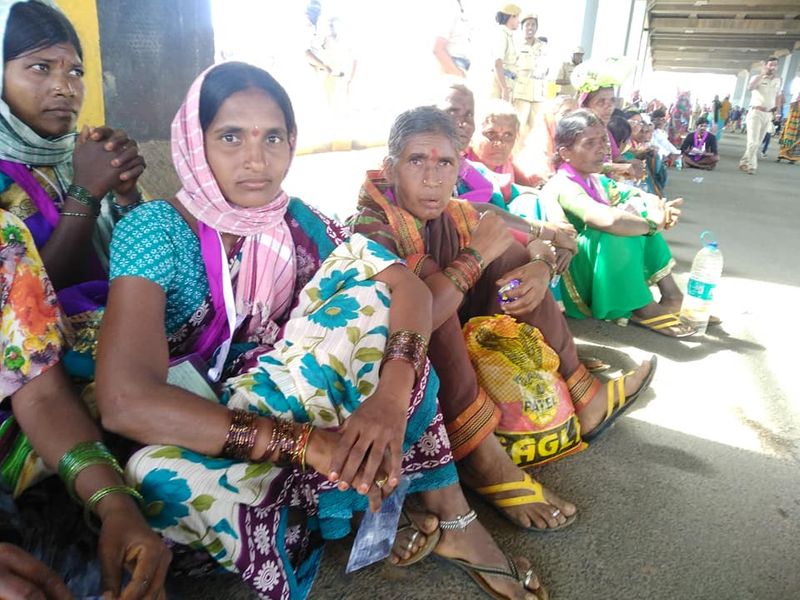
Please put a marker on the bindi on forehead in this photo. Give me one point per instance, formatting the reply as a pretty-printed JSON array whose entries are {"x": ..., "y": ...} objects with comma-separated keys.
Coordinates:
[
  {"x": 255, "y": 131},
  {"x": 434, "y": 154}
]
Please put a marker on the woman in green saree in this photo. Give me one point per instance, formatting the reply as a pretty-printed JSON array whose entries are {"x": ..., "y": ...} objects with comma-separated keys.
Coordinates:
[{"x": 621, "y": 251}]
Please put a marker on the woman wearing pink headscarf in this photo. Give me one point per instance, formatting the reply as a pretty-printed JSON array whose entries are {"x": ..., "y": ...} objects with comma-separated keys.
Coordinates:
[{"x": 313, "y": 396}]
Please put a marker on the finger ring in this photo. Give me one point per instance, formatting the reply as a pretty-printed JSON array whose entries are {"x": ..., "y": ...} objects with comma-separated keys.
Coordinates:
[
  {"x": 381, "y": 482},
  {"x": 556, "y": 512}
]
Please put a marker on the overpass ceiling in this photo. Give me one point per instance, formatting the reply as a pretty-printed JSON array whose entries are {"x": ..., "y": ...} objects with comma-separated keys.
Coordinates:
[{"x": 719, "y": 36}]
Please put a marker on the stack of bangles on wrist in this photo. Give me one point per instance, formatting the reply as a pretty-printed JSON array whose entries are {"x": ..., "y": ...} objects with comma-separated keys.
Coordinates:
[
  {"x": 289, "y": 446},
  {"x": 550, "y": 264},
  {"x": 83, "y": 196},
  {"x": 82, "y": 456},
  {"x": 407, "y": 346},
  {"x": 465, "y": 270},
  {"x": 125, "y": 209}
]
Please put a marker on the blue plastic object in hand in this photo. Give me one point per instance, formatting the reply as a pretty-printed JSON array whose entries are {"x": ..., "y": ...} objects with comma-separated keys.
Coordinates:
[
  {"x": 378, "y": 529},
  {"x": 502, "y": 293}
]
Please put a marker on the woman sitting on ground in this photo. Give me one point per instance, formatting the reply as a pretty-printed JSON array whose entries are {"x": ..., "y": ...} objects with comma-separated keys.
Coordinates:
[
  {"x": 621, "y": 250},
  {"x": 699, "y": 147},
  {"x": 45, "y": 421},
  {"x": 491, "y": 151},
  {"x": 68, "y": 188},
  {"x": 472, "y": 185},
  {"x": 624, "y": 132},
  {"x": 318, "y": 344},
  {"x": 407, "y": 207},
  {"x": 596, "y": 93}
]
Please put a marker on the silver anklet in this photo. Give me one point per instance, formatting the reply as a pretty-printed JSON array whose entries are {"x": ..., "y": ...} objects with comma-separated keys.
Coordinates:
[{"x": 460, "y": 522}]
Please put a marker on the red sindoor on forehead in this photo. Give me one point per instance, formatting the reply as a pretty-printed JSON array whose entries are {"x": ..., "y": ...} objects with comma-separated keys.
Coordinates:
[{"x": 434, "y": 153}]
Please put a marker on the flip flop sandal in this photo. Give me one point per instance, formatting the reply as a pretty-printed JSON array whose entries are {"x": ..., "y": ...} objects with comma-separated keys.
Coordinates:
[
  {"x": 476, "y": 573},
  {"x": 432, "y": 539},
  {"x": 618, "y": 403},
  {"x": 536, "y": 496},
  {"x": 662, "y": 323},
  {"x": 594, "y": 365}
]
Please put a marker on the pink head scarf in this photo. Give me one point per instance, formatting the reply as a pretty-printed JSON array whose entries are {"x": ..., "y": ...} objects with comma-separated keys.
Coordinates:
[{"x": 267, "y": 272}]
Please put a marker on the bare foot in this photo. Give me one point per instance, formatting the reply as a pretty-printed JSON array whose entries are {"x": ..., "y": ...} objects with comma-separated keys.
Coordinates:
[
  {"x": 489, "y": 464},
  {"x": 593, "y": 413}
]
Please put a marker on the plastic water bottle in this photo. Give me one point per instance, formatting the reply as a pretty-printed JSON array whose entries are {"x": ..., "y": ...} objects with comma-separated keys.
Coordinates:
[
  {"x": 703, "y": 280},
  {"x": 678, "y": 163}
]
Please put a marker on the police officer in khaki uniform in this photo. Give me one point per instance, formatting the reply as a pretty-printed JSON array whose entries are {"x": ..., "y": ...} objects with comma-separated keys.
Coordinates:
[
  {"x": 565, "y": 73},
  {"x": 529, "y": 87},
  {"x": 505, "y": 52},
  {"x": 765, "y": 98}
]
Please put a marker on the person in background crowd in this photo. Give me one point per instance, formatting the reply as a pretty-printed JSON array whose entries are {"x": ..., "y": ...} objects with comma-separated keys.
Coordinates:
[
  {"x": 777, "y": 122},
  {"x": 765, "y": 96},
  {"x": 452, "y": 46},
  {"x": 504, "y": 52},
  {"x": 666, "y": 150},
  {"x": 564, "y": 78},
  {"x": 715, "y": 115},
  {"x": 699, "y": 148},
  {"x": 695, "y": 115},
  {"x": 529, "y": 93},
  {"x": 725, "y": 111},
  {"x": 680, "y": 115},
  {"x": 790, "y": 137}
]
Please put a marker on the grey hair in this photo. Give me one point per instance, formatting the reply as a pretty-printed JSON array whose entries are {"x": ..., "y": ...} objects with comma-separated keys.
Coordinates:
[
  {"x": 570, "y": 128},
  {"x": 495, "y": 108},
  {"x": 423, "y": 119}
]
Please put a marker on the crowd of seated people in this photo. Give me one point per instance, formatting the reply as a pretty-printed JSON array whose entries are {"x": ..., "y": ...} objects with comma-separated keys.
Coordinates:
[{"x": 230, "y": 371}]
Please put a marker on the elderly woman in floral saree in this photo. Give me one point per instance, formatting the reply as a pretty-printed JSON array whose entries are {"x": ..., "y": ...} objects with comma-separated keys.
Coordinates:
[{"x": 316, "y": 347}]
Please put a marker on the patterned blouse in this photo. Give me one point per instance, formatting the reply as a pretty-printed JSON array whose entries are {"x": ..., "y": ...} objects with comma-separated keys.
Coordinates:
[{"x": 32, "y": 326}]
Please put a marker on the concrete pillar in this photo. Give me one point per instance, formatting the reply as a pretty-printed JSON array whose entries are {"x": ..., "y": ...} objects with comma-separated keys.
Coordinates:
[
  {"x": 589, "y": 22},
  {"x": 152, "y": 51},
  {"x": 742, "y": 79},
  {"x": 790, "y": 71}
]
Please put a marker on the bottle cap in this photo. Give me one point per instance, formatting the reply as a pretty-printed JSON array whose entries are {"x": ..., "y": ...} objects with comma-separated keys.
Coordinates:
[{"x": 711, "y": 241}]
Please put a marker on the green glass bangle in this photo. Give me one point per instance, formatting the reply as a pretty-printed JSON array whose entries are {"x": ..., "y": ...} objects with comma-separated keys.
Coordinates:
[
  {"x": 124, "y": 210},
  {"x": 652, "y": 226},
  {"x": 83, "y": 196},
  {"x": 476, "y": 255},
  {"x": 81, "y": 456},
  {"x": 95, "y": 499}
]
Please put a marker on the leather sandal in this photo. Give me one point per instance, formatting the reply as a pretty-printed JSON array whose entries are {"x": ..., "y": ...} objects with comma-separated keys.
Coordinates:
[
  {"x": 476, "y": 573},
  {"x": 432, "y": 539}
]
